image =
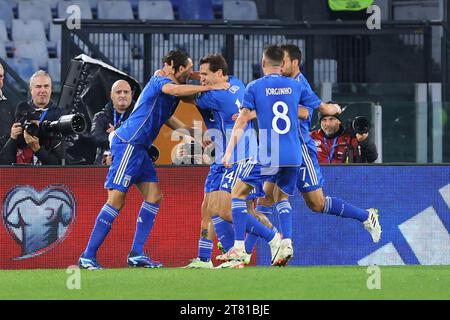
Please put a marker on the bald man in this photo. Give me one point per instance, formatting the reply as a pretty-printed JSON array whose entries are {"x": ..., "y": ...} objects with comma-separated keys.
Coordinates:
[{"x": 110, "y": 118}]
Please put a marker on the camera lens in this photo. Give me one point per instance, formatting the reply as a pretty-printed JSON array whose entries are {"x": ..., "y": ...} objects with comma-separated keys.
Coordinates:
[{"x": 32, "y": 129}]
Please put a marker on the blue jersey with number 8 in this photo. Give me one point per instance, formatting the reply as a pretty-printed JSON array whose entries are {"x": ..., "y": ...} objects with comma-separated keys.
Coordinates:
[{"x": 276, "y": 99}]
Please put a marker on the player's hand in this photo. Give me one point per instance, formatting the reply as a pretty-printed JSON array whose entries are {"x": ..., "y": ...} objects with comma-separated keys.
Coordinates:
[
  {"x": 220, "y": 86},
  {"x": 337, "y": 107},
  {"x": 235, "y": 116},
  {"x": 181, "y": 151},
  {"x": 303, "y": 113},
  {"x": 16, "y": 131},
  {"x": 206, "y": 142},
  {"x": 226, "y": 160},
  {"x": 33, "y": 142},
  {"x": 160, "y": 73},
  {"x": 110, "y": 129},
  {"x": 362, "y": 136}
]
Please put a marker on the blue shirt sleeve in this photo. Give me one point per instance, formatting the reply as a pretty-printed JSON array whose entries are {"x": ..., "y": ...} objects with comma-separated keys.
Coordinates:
[
  {"x": 249, "y": 97},
  {"x": 206, "y": 100},
  {"x": 308, "y": 98},
  {"x": 159, "y": 82}
]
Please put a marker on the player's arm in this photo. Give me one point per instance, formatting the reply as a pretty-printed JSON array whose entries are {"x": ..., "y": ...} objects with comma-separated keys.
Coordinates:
[
  {"x": 245, "y": 115},
  {"x": 303, "y": 113},
  {"x": 329, "y": 108},
  {"x": 176, "y": 124},
  {"x": 183, "y": 90}
]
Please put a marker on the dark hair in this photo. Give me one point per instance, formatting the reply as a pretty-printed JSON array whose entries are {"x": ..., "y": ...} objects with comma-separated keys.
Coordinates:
[
  {"x": 274, "y": 54},
  {"x": 294, "y": 52},
  {"x": 179, "y": 58},
  {"x": 216, "y": 62}
]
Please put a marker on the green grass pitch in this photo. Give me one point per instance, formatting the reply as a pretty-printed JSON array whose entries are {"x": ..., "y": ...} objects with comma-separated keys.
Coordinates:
[{"x": 259, "y": 283}]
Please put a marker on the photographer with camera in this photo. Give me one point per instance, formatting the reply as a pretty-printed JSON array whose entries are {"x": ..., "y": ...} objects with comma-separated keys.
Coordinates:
[
  {"x": 29, "y": 141},
  {"x": 338, "y": 144}
]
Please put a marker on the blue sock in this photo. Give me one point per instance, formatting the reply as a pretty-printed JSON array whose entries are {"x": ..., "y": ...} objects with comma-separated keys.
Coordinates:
[
  {"x": 205, "y": 248},
  {"x": 285, "y": 213},
  {"x": 224, "y": 231},
  {"x": 250, "y": 241},
  {"x": 257, "y": 228},
  {"x": 101, "y": 229},
  {"x": 240, "y": 215},
  {"x": 144, "y": 225},
  {"x": 338, "y": 207},
  {"x": 251, "y": 238},
  {"x": 264, "y": 209}
]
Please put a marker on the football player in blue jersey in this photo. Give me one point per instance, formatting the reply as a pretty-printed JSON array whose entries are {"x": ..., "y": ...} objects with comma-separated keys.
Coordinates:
[
  {"x": 274, "y": 100},
  {"x": 223, "y": 105},
  {"x": 131, "y": 163},
  {"x": 310, "y": 180}
]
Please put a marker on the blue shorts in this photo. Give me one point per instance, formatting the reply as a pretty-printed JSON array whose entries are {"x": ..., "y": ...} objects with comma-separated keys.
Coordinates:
[
  {"x": 214, "y": 178},
  {"x": 255, "y": 175},
  {"x": 309, "y": 177},
  {"x": 231, "y": 176},
  {"x": 283, "y": 177},
  {"x": 130, "y": 165}
]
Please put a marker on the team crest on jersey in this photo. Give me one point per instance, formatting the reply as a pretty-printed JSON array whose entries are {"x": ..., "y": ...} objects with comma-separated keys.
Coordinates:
[
  {"x": 234, "y": 89},
  {"x": 126, "y": 181},
  {"x": 318, "y": 143},
  {"x": 38, "y": 221}
]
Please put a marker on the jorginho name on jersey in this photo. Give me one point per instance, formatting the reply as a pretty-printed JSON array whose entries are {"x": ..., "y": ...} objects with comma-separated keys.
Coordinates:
[
  {"x": 224, "y": 104},
  {"x": 276, "y": 99},
  {"x": 151, "y": 111}
]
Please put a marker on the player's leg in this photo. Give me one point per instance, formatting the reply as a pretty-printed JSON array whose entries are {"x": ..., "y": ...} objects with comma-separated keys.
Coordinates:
[
  {"x": 152, "y": 195},
  {"x": 146, "y": 181},
  {"x": 205, "y": 243},
  {"x": 265, "y": 204},
  {"x": 102, "y": 227},
  {"x": 263, "y": 208},
  {"x": 249, "y": 179},
  {"x": 286, "y": 179},
  {"x": 310, "y": 184},
  {"x": 117, "y": 182},
  {"x": 220, "y": 209}
]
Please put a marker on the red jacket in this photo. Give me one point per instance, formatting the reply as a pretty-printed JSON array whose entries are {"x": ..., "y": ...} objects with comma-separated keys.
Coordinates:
[{"x": 340, "y": 145}]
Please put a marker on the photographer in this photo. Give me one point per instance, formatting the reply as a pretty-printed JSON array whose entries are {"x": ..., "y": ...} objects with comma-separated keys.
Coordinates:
[
  {"x": 336, "y": 144},
  {"x": 110, "y": 118},
  {"x": 27, "y": 144}
]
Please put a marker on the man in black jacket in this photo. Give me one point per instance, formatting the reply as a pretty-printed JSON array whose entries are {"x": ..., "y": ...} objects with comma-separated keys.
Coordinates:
[
  {"x": 110, "y": 118},
  {"x": 6, "y": 110},
  {"x": 23, "y": 147}
]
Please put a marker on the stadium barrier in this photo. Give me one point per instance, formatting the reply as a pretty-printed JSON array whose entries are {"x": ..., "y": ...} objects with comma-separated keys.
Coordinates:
[
  {"x": 48, "y": 214},
  {"x": 333, "y": 51}
]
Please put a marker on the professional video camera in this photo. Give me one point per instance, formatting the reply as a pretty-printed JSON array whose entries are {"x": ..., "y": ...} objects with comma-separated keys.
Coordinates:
[
  {"x": 64, "y": 126},
  {"x": 356, "y": 125}
]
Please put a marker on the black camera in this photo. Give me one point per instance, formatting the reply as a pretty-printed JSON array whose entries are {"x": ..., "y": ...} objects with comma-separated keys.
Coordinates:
[
  {"x": 65, "y": 125},
  {"x": 356, "y": 125}
]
